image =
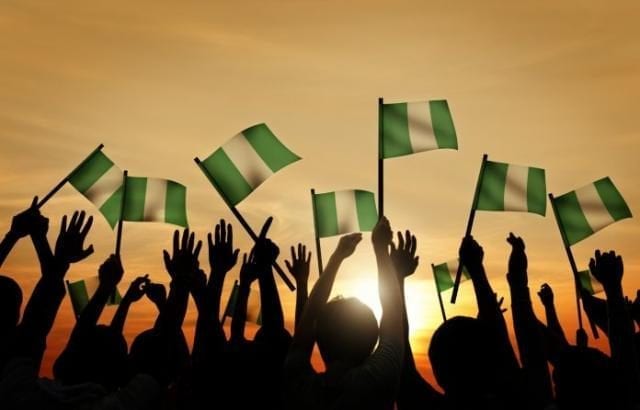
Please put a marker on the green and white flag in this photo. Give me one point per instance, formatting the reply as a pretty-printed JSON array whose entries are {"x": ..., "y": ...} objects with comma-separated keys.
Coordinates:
[
  {"x": 589, "y": 283},
  {"x": 413, "y": 127},
  {"x": 100, "y": 180},
  {"x": 155, "y": 200},
  {"x": 245, "y": 161},
  {"x": 445, "y": 274},
  {"x": 342, "y": 212},
  {"x": 586, "y": 210},
  {"x": 82, "y": 291},
  {"x": 254, "y": 314},
  {"x": 508, "y": 187}
]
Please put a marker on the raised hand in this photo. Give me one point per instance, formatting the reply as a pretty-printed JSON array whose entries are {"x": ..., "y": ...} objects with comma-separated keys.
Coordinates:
[
  {"x": 517, "y": 261},
  {"x": 248, "y": 271},
  {"x": 137, "y": 288},
  {"x": 222, "y": 255},
  {"x": 347, "y": 245},
  {"x": 404, "y": 255},
  {"x": 299, "y": 265},
  {"x": 382, "y": 234},
  {"x": 266, "y": 252},
  {"x": 70, "y": 244},
  {"x": 471, "y": 253},
  {"x": 546, "y": 295},
  {"x": 607, "y": 268},
  {"x": 29, "y": 221},
  {"x": 156, "y": 293},
  {"x": 110, "y": 272},
  {"x": 184, "y": 258}
]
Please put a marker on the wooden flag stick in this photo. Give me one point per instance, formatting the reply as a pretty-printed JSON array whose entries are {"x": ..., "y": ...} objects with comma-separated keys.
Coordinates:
[
  {"x": 435, "y": 278},
  {"x": 121, "y": 219},
  {"x": 64, "y": 181},
  {"x": 315, "y": 232},
  {"x": 380, "y": 161},
  {"x": 574, "y": 269},
  {"x": 472, "y": 216},
  {"x": 243, "y": 222}
]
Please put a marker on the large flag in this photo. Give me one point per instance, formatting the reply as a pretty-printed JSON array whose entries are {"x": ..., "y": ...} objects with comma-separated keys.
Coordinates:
[
  {"x": 254, "y": 314},
  {"x": 413, "y": 127},
  {"x": 100, "y": 180},
  {"x": 342, "y": 212},
  {"x": 589, "y": 283},
  {"x": 155, "y": 200},
  {"x": 246, "y": 161},
  {"x": 586, "y": 210},
  {"x": 445, "y": 274},
  {"x": 507, "y": 187},
  {"x": 82, "y": 291}
]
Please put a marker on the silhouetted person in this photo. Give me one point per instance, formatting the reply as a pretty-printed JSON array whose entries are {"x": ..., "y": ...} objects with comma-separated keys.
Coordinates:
[
  {"x": 356, "y": 377},
  {"x": 299, "y": 269}
]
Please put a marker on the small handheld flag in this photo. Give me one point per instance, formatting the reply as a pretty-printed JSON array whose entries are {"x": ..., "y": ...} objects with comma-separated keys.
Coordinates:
[{"x": 81, "y": 292}]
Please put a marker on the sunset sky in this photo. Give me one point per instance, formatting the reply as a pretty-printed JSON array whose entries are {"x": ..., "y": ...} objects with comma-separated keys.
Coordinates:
[{"x": 550, "y": 84}]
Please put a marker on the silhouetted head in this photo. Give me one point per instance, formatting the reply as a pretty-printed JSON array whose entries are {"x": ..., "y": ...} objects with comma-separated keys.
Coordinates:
[
  {"x": 346, "y": 331},
  {"x": 98, "y": 356},
  {"x": 161, "y": 356},
  {"x": 585, "y": 379},
  {"x": 464, "y": 358},
  {"x": 10, "y": 302}
]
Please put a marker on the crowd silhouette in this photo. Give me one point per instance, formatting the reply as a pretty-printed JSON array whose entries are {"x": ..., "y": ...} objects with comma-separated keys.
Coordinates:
[{"x": 368, "y": 365}]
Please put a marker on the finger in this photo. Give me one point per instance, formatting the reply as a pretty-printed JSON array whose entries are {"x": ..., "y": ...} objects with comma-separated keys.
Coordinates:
[
  {"x": 185, "y": 239},
  {"x": 300, "y": 253},
  {"x": 244, "y": 259},
  {"x": 87, "y": 226},
  {"x": 235, "y": 256},
  {"x": 167, "y": 259},
  {"x": 196, "y": 251},
  {"x": 223, "y": 231},
  {"x": 74, "y": 218},
  {"x": 229, "y": 234},
  {"x": 407, "y": 239},
  {"x": 210, "y": 241},
  {"x": 598, "y": 254},
  {"x": 400, "y": 241},
  {"x": 34, "y": 202},
  {"x": 308, "y": 260},
  {"x": 80, "y": 220},
  {"x": 288, "y": 265},
  {"x": 217, "y": 234},
  {"x": 63, "y": 225},
  {"x": 192, "y": 240},
  {"x": 265, "y": 228},
  {"x": 176, "y": 241},
  {"x": 293, "y": 254},
  {"x": 414, "y": 245},
  {"x": 85, "y": 253}
]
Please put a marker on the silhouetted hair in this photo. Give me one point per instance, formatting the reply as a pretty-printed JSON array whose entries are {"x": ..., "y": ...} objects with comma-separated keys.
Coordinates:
[
  {"x": 346, "y": 331},
  {"x": 99, "y": 356},
  {"x": 10, "y": 302},
  {"x": 162, "y": 356}
]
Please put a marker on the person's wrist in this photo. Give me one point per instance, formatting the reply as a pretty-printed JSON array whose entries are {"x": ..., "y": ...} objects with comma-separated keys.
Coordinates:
[{"x": 12, "y": 236}]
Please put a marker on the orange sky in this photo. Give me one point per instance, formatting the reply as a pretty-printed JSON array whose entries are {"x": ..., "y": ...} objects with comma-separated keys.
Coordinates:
[{"x": 550, "y": 84}]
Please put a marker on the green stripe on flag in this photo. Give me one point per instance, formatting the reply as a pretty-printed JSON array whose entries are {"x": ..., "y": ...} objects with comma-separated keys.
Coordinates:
[
  {"x": 442, "y": 124},
  {"x": 134, "y": 199},
  {"x": 176, "y": 204},
  {"x": 78, "y": 295},
  {"x": 584, "y": 278},
  {"x": 612, "y": 199},
  {"x": 395, "y": 130},
  {"x": 273, "y": 152},
  {"x": 111, "y": 208},
  {"x": 492, "y": 186},
  {"x": 366, "y": 207},
  {"x": 537, "y": 191},
  {"x": 443, "y": 278},
  {"x": 572, "y": 220},
  {"x": 326, "y": 214},
  {"x": 233, "y": 300},
  {"x": 90, "y": 171},
  {"x": 227, "y": 177}
]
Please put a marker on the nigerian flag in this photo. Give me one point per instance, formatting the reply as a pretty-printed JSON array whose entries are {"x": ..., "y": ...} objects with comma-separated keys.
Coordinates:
[
  {"x": 155, "y": 200},
  {"x": 445, "y": 274},
  {"x": 254, "y": 314},
  {"x": 245, "y": 161},
  {"x": 586, "y": 210},
  {"x": 589, "y": 282},
  {"x": 342, "y": 212},
  {"x": 100, "y": 180},
  {"x": 82, "y": 291},
  {"x": 412, "y": 127},
  {"x": 508, "y": 187}
]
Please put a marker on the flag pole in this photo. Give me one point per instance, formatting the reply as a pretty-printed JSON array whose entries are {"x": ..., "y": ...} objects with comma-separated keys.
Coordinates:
[
  {"x": 64, "y": 181},
  {"x": 315, "y": 232},
  {"x": 574, "y": 269},
  {"x": 472, "y": 216},
  {"x": 435, "y": 278},
  {"x": 243, "y": 222},
  {"x": 121, "y": 219},
  {"x": 380, "y": 161}
]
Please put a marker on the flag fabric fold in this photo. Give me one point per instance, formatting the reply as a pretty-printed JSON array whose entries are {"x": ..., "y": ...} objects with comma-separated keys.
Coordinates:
[
  {"x": 155, "y": 200},
  {"x": 587, "y": 210},
  {"x": 343, "y": 212},
  {"x": 244, "y": 162},
  {"x": 589, "y": 282},
  {"x": 412, "y": 127},
  {"x": 508, "y": 187}
]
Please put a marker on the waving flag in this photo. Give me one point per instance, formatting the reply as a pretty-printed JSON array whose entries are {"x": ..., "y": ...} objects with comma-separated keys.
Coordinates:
[
  {"x": 155, "y": 200},
  {"x": 342, "y": 212},
  {"x": 445, "y": 274}
]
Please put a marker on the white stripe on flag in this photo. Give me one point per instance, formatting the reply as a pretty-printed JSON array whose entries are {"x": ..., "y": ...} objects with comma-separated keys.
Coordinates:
[
  {"x": 103, "y": 188},
  {"x": 515, "y": 190},
  {"x": 250, "y": 165},
  {"x": 452, "y": 266},
  {"x": 593, "y": 208},
  {"x": 346, "y": 211},
  {"x": 421, "y": 133},
  {"x": 155, "y": 200}
]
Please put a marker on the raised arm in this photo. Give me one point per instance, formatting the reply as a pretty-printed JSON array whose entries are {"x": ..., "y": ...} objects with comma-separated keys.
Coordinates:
[
  {"x": 528, "y": 332},
  {"x": 266, "y": 252},
  {"x": 248, "y": 275},
  {"x": 299, "y": 269},
  {"x": 22, "y": 225},
  {"x": 134, "y": 293},
  {"x": 553, "y": 323}
]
